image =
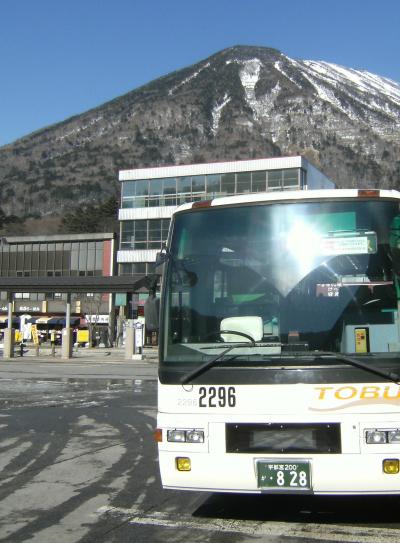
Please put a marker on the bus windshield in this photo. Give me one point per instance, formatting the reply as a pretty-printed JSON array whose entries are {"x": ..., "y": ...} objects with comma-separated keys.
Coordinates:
[{"x": 312, "y": 276}]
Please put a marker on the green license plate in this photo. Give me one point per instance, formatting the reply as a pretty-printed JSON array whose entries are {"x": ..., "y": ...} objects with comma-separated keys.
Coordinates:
[{"x": 284, "y": 475}]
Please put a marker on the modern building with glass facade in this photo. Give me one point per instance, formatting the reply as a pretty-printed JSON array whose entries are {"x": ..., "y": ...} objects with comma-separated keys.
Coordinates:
[
  {"x": 56, "y": 255},
  {"x": 149, "y": 197}
]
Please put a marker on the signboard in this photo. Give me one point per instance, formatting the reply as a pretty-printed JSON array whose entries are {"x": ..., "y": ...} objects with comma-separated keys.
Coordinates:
[
  {"x": 35, "y": 335},
  {"x": 35, "y": 308},
  {"x": 138, "y": 325},
  {"x": 330, "y": 290},
  {"x": 120, "y": 299},
  {"x": 27, "y": 306},
  {"x": 349, "y": 243},
  {"x": 97, "y": 319},
  {"x": 361, "y": 340},
  {"x": 82, "y": 336}
]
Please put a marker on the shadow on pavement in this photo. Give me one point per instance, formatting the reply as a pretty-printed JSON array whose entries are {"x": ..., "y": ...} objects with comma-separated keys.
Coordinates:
[{"x": 365, "y": 510}]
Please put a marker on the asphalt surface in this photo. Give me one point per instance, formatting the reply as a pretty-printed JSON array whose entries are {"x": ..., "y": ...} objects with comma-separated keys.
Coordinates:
[
  {"x": 69, "y": 448},
  {"x": 115, "y": 354},
  {"x": 78, "y": 464},
  {"x": 99, "y": 363}
]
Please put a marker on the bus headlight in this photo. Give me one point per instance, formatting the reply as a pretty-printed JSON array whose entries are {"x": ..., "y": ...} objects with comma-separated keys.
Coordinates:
[
  {"x": 176, "y": 436},
  {"x": 185, "y": 436},
  {"x": 381, "y": 436},
  {"x": 394, "y": 436},
  {"x": 376, "y": 437},
  {"x": 195, "y": 436}
]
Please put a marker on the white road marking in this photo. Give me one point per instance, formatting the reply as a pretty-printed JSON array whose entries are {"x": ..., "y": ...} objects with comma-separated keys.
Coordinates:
[
  {"x": 308, "y": 531},
  {"x": 73, "y": 526}
]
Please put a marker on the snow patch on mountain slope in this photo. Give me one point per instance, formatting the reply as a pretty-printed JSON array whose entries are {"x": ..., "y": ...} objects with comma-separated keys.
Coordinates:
[
  {"x": 187, "y": 79},
  {"x": 326, "y": 93},
  {"x": 78, "y": 129},
  {"x": 217, "y": 111},
  {"x": 278, "y": 65},
  {"x": 364, "y": 82},
  {"x": 249, "y": 76},
  {"x": 376, "y": 95}
]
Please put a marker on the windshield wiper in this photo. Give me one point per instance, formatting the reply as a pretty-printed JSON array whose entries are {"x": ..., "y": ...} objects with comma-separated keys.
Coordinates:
[
  {"x": 390, "y": 376},
  {"x": 210, "y": 363}
]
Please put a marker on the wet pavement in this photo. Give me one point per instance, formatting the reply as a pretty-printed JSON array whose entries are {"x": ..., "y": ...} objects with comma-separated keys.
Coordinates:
[
  {"x": 78, "y": 464},
  {"x": 69, "y": 448}
]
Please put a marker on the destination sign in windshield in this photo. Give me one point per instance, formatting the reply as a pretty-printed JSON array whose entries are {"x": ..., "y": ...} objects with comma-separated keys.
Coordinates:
[{"x": 348, "y": 243}]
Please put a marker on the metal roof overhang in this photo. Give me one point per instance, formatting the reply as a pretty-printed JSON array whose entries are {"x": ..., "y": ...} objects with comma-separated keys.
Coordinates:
[
  {"x": 111, "y": 284},
  {"x": 38, "y": 320},
  {"x": 62, "y": 321},
  {"x": 4, "y": 319}
]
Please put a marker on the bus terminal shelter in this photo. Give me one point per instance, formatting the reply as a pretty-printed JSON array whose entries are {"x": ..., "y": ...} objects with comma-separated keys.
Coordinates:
[{"x": 68, "y": 285}]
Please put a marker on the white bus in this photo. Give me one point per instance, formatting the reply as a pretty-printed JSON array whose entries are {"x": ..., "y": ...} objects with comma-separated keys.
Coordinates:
[{"x": 280, "y": 344}]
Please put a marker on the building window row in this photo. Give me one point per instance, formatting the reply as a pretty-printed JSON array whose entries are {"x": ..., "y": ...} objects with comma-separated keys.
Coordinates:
[
  {"x": 130, "y": 268},
  {"x": 176, "y": 191},
  {"x": 43, "y": 296},
  {"x": 51, "y": 259},
  {"x": 144, "y": 234}
]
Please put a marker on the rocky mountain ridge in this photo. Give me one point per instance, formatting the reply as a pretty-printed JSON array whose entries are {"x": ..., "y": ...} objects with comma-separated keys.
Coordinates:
[{"x": 243, "y": 102}]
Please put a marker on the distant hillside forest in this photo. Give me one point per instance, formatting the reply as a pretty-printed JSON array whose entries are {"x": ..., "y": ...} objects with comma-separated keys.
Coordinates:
[
  {"x": 92, "y": 218},
  {"x": 87, "y": 218}
]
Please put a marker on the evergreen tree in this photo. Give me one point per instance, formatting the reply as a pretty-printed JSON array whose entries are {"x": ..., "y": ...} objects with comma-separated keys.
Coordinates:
[{"x": 91, "y": 218}]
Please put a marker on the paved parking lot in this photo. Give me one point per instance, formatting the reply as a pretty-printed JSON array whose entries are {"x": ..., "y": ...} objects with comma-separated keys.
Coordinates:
[{"x": 45, "y": 352}]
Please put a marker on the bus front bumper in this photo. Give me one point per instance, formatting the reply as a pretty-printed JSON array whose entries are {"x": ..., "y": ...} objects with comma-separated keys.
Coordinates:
[{"x": 328, "y": 474}]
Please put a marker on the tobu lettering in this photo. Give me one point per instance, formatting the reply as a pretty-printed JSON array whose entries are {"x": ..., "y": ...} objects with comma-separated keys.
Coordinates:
[{"x": 369, "y": 392}]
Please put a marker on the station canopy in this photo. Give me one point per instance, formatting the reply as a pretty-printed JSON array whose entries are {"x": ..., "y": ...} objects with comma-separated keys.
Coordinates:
[
  {"x": 54, "y": 321},
  {"x": 4, "y": 319}
]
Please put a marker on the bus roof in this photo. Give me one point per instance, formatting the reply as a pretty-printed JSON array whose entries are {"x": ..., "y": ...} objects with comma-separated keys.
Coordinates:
[{"x": 286, "y": 196}]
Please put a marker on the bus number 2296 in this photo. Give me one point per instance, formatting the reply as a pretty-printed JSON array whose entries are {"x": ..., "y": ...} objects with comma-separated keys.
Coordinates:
[{"x": 217, "y": 396}]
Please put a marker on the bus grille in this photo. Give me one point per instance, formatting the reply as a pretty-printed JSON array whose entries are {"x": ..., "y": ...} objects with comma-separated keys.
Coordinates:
[{"x": 283, "y": 438}]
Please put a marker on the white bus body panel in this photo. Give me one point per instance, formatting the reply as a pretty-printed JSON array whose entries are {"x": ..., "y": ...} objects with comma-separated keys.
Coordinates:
[
  {"x": 357, "y": 469},
  {"x": 356, "y": 407}
]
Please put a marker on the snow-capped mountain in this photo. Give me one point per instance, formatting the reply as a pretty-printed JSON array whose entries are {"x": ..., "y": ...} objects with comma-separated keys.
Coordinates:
[{"x": 243, "y": 102}]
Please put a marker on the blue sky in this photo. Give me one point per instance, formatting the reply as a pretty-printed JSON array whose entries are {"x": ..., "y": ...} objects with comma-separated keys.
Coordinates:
[{"x": 62, "y": 57}]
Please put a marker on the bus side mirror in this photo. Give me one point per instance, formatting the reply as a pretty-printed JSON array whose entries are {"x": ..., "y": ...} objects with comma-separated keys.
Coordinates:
[
  {"x": 161, "y": 258},
  {"x": 152, "y": 313}
]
